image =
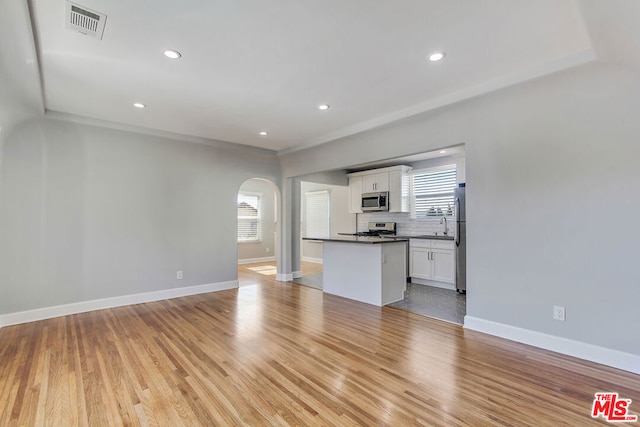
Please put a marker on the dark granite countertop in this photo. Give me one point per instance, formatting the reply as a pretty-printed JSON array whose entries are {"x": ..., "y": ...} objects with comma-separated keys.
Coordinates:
[
  {"x": 429, "y": 236},
  {"x": 360, "y": 239}
]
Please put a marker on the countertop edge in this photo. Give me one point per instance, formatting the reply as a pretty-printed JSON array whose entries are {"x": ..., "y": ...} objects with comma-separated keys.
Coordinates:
[
  {"x": 360, "y": 240},
  {"x": 429, "y": 237}
]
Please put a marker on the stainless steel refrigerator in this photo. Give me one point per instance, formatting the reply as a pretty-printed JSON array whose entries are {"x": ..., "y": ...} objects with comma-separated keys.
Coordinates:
[{"x": 461, "y": 239}]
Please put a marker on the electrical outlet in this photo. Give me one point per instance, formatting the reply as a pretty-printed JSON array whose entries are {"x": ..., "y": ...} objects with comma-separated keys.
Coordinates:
[
  {"x": 179, "y": 274},
  {"x": 558, "y": 313},
  {"x": 267, "y": 250}
]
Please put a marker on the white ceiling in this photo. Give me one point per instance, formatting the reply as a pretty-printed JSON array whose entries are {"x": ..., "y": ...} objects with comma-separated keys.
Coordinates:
[{"x": 252, "y": 65}]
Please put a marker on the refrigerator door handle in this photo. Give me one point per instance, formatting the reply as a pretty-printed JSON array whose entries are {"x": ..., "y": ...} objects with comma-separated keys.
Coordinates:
[{"x": 458, "y": 221}]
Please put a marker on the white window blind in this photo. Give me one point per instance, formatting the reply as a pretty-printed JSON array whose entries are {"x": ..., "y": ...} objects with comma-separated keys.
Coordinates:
[
  {"x": 316, "y": 218},
  {"x": 432, "y": 192},
  {"x": 249, "y": 217}
]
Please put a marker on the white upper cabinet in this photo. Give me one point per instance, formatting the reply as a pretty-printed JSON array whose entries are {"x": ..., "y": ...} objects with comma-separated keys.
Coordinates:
[
  {"x": 376, "y": 182},
  {"x": 399, "y": 190},
  {"x": 393, "y": 179}
]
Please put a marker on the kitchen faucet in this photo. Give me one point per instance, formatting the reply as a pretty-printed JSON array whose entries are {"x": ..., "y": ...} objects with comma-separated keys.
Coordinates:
[{"x": 446, "y": 228}]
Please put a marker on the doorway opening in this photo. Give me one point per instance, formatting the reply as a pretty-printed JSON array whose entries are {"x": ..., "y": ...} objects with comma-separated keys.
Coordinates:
[
  {"x": 258, "y": 239},
  {"x": 323, "y": 212}
]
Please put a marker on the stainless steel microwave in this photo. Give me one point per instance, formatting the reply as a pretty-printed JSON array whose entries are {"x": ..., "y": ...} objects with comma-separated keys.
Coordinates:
[{"x": 372, "y": 202}]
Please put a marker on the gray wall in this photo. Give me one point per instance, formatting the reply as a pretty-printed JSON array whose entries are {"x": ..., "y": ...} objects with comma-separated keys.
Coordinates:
[
  {"x": 266, "y": 247},
  {"x": 89, "y": 212},
  {"x": 337, "y": 177},
  {"x": 546, "y": 161}
]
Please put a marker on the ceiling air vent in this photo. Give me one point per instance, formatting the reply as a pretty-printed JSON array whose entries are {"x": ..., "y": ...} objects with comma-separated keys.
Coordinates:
[{"x": 84, "y": 20}]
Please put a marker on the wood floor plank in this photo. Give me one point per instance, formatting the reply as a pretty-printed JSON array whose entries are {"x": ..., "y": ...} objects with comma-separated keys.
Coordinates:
[{"x": 273, "y": 353}]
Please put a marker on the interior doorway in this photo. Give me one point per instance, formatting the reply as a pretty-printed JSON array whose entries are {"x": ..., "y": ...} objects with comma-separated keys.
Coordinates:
[
  {"x": 258, "y": 239},
  {"x": 324, "y": 212}
]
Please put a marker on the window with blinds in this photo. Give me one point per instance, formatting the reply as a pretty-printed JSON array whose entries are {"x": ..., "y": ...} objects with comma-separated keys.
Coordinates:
[
  {"x": 316, "y": 217},
  {"x": 432, "y": 192},
  {"x": 249, "y": 217}
]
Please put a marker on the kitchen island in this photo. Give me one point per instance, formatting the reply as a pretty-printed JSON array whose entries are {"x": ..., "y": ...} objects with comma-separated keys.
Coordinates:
[{"x": 367, "y": 269}]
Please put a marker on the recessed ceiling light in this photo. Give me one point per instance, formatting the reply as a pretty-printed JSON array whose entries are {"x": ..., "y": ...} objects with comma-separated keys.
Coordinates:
[
  {"x": 436, "y": 56},
  {"x": 443, "y": 151},
  {"x": 139, "y": 105},
  {"x": 323, "y": 107},
  {"x": 263, "y": 133},
  {"x": 173, "y": 54}
]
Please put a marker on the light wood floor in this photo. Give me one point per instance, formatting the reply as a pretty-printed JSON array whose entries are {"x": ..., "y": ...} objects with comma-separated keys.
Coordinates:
[
  {"x": 251, "y": 274},
  {"x": 309, "y": 268},
  {"x": 273, "y": 353}
]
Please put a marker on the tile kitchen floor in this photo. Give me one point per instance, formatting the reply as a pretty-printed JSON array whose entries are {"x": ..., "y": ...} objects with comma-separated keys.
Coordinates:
[
  {"x": 311, "y": 275},
  {"x": 443, "y": 304},
  {"x": 312, "y": 280}
]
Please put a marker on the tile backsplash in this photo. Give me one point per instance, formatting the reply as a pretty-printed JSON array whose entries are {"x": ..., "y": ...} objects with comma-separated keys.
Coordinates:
[{"x": 405, "y": 226}]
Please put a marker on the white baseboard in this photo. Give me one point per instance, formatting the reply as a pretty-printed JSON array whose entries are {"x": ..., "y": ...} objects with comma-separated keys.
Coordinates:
[
  {"x": 256, "y": 260},
  {"x": 296, "y": 274},
  {"x": 100, "y": 304},
  {"x": 605, "y": 356},
  {"x": 313, "y": 260},
  {"x": 284, "y": 277}
]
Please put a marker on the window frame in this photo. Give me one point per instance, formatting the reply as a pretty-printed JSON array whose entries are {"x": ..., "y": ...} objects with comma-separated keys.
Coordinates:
[
  {"x": 258, "y": 217},
  {"x": 305, "y": 218},
  {"x": 413, "y": 197}
]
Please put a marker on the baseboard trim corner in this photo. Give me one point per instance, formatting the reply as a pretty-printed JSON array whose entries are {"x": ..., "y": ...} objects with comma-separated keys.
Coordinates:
[
  {"x": 310, "y": 259},
  {"x": 284, "y": 277},
  {"x": 593, "y": 353},
  {"x": 104, "y": 303}
]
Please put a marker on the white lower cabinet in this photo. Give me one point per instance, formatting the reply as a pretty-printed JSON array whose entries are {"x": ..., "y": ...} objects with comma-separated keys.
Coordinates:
[
  {"x": 432, "y": 260},
  {"x": 419, "y": 263},
  {"x": 444, "y": 267}
]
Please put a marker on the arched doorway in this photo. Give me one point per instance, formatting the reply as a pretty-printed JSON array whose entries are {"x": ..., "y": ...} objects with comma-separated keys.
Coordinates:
[{"x": 258, "y": 239}]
